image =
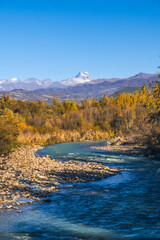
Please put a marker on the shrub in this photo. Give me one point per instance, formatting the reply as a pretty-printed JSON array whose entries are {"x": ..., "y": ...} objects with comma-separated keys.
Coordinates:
[{"x": 8, "y": 134}]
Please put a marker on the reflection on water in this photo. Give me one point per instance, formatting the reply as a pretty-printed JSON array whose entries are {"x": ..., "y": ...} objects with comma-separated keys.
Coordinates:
[{"x": 124, "y": 206}]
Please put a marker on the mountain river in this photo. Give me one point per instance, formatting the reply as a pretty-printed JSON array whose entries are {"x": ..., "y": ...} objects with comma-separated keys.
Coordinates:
[{"x": 124, "y": 206}]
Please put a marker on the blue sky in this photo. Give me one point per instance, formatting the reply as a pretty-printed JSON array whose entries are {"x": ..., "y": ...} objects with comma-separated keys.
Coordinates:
[{"x": 58, "y": 38}]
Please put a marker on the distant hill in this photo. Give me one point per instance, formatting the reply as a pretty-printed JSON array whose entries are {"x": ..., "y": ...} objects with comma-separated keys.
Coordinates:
[{"x": 126, "y": 90}]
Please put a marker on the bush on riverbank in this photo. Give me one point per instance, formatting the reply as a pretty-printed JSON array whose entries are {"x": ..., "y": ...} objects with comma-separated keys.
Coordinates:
[
  {"x": 151, "y": 136},
  {"x": 8, "y": 134}
]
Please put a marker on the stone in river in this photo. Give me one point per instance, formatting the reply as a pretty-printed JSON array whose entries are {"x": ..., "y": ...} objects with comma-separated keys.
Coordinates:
[{"x": 47, "y": 200}]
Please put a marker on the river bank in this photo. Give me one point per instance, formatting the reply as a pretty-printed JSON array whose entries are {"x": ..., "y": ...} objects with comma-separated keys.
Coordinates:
[
  {"x": 26, "y": 177},
  {"x": 127, "y": 146}
]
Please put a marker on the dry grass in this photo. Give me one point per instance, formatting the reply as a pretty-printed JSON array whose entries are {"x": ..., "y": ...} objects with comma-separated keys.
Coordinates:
[{"x": 30, "y": 138}]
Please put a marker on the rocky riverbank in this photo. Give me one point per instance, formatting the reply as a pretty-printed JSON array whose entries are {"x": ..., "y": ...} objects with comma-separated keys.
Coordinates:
[
  {"x": 26, "y": 177},
  {"x": 127, "y": 146}
]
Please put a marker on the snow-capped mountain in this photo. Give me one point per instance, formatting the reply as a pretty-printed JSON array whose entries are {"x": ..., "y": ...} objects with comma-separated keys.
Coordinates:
[
  {"x": 28, "y": 84},
  {"x": 12, "y": 80},
  {"x": 33, "y": 83},
  {"x": 81, "y": 78}
]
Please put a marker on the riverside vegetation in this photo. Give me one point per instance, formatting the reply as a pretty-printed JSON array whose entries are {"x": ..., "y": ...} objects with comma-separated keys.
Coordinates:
[
  {"x": 25, "y": 177},
  {"x": 29, "y": 123}
]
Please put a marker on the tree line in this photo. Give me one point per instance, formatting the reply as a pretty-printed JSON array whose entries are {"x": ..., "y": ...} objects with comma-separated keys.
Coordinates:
[{"x": 136, "y": 114}]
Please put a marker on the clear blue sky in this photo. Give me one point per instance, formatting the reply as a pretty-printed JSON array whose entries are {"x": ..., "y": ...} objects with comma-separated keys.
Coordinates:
[{"x": 58, "y": 38}]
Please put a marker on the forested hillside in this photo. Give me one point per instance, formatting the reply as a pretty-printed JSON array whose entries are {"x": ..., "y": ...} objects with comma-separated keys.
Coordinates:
[{"x": 136, "y": 114}]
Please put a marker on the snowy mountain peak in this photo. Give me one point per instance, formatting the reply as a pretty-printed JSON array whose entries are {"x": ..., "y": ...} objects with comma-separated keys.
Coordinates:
[
  {"x": 14, "y": 79},
  {"x": 82, "y": 77}
]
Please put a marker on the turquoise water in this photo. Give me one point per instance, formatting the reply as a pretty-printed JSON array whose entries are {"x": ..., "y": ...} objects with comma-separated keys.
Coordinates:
[{"x": 124, "y": 206}]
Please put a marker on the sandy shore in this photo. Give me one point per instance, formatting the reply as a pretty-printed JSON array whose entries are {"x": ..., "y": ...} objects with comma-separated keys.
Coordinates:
[{"x": 26, "y": 177}]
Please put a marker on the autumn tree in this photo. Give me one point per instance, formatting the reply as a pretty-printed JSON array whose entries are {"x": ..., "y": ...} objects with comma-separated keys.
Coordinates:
[{"x": 8, "y": 134}]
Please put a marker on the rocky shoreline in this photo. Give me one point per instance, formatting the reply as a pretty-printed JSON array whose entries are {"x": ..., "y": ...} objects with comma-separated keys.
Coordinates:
[
  {"x": 26, "y": 177},
  {"x": 126, "y": 146}
]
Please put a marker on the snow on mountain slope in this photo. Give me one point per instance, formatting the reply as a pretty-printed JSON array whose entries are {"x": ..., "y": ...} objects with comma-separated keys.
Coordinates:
[
  {"x": 28, "y": 84},
  {"x": 82, "y": 77},
  {"x": 7, "y": 81},
  {"x": 36, "y": 83},
  {"x": 14, "y": 80},
  {"x": 33, "y": 83}
]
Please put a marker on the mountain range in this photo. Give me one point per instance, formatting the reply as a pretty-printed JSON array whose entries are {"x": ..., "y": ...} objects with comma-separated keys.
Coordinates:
[
  {"x": 33, "y": 83},
  {"x": 76, "y": 88}
]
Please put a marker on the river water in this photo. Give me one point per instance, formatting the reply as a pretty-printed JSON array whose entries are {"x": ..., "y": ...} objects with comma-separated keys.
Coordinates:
[{"x": 124, "y": 206}]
